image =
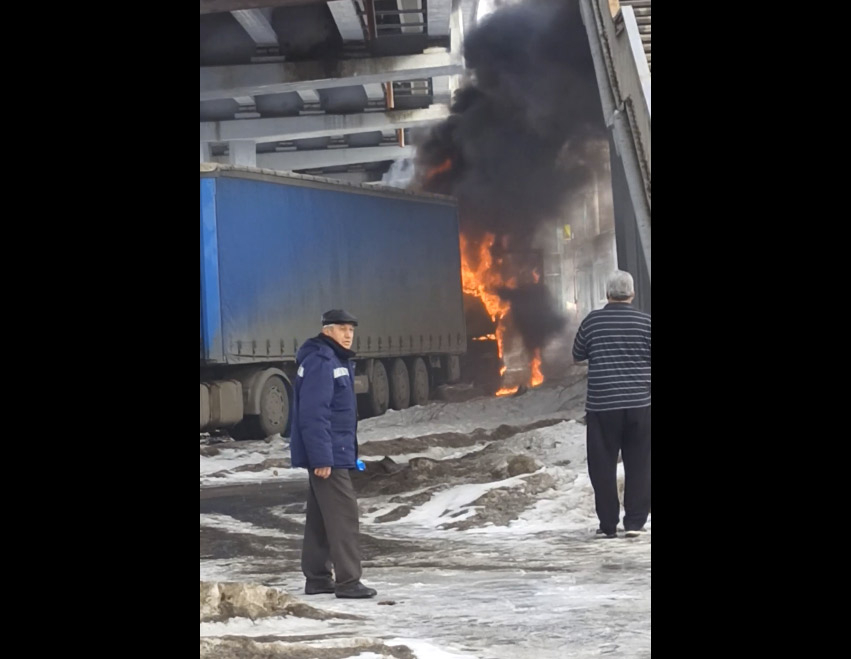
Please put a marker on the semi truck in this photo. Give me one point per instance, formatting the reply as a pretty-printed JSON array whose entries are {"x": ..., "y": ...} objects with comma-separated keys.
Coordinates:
[{"x": 278, "y": 249}]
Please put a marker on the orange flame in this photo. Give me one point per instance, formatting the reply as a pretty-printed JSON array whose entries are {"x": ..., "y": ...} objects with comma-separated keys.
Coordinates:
[
  {"x": 500, "y": 336},
  {"x": 505, "y": 391},
  {"x": 537, "y": 377},
  {"x": 480, "y": 277},
  {"x": 442, "y": 167}
]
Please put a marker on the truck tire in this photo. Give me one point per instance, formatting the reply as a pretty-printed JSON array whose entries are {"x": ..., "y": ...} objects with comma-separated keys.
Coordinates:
[
  {"x": 400, "y": 385},
  {"x": 419, "y": 382},
  {"x": 375, "y": 401},
  {"x": 274, "y": 413},
  {"x": 274, "y": 407}
]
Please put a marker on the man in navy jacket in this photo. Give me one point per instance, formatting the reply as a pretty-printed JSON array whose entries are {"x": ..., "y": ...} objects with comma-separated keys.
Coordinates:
[{"x": 324, "y": 441}]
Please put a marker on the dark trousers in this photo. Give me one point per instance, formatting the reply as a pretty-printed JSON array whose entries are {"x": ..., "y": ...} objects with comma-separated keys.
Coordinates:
[
  {"x": 331, "y": 529},
  {"x": 627, "y": 432}
]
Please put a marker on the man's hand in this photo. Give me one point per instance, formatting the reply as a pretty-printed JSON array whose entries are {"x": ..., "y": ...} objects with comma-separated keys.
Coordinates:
[{"x": 322, "y": 472}]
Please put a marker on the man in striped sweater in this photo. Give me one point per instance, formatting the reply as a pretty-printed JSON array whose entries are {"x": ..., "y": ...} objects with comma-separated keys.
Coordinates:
[{"x": 616, "y": 342}]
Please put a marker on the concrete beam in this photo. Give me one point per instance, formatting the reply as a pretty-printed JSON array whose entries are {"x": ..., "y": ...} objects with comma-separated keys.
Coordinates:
[
  {"x": 410, "y": 18},
  {"x": 346, "y": 19},
  {"x": 309, "y": 97},
  {"x": 441, "y": 87},
  {"x": 456, "y": 35},
  {"x": 483, "y": 9},
  {"x": 214, "y": 6},
  {"x": 280, "y": 129},
  {"x": 374, "y": 91},
  {"x": 281, "y": 77},
  {"x": 256, "y": 23},
  {"x": 438, "y": 17},
  {"x": 297, "y": 160}
]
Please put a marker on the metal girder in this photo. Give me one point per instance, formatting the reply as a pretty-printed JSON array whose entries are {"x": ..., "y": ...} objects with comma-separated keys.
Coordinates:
[
  {"x": 214, "y": 6},
  {"x": 615, "y": 109},
  {"x": 407, "y": 18},
  {"x": 441, "y": 87},
  {"x": 347, "y": 20},
  {"x": 256, "y": 23},
  {"x": 374, "y": 91},
  {"x": 296, "y": 160},
  {"x": 438, "y": 17},
  {"x": 456, "y": 32},
  {"x": 280, "y": 77},
  {"x": 279, "y": 129},
  {"x": 309, "y": 97}
]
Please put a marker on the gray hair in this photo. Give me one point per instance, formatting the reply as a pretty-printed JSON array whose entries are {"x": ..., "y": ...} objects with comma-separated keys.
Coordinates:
[{"x": 620, "y": 286}]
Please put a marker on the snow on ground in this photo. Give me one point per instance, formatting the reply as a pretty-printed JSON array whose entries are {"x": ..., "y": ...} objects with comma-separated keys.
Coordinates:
[
  {"x": 478, "y": 563},
  {"x": 486, "y": 412},
  {"x": 570, "y": 507}
]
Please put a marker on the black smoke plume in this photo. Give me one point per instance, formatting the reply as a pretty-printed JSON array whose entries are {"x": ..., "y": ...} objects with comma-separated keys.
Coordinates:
[
  {"x": 516, "y": 142},
  {"x": 516, "y": 137}
]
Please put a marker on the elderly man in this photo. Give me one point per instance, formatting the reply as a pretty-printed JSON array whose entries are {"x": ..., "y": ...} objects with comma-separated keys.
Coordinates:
[
  {"x": 616, "y": 342},
  {"x": 324, "y": 441}
]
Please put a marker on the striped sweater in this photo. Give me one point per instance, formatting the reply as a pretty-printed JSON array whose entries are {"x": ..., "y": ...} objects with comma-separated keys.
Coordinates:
[{"x": 616, "y": 342}]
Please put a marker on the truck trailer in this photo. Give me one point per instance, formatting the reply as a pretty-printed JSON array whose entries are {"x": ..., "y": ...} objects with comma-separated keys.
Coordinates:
[{"x": 279, "y": 249}]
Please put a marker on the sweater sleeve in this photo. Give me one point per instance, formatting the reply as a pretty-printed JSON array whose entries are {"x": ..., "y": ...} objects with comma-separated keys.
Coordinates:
[{"x": 580, "y": 344}]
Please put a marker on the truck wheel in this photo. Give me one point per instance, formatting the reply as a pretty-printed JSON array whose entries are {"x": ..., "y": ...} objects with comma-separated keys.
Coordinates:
[
  {"x": 274, "y": 413},
  {"x": 400, "y": 385},
  {"x": 274, "y": 407},
  {"x": 378, "y": 397},
  {"x": 419, "y": 382}
]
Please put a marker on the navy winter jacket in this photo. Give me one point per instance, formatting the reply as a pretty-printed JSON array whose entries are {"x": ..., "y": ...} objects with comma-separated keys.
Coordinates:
[{"x": 325, "y": 419}]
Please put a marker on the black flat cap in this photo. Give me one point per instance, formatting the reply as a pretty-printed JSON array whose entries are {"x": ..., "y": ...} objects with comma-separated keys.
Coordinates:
[{"x": 338, "y": 317}]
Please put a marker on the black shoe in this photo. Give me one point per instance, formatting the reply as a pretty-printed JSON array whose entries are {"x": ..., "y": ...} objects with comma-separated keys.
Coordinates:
[
  {"x": 605, "y": 534},
  {"x": 634, "y": 533},
  {"x": 318, "y": 586},
  {"x": 355, "y": 591}
]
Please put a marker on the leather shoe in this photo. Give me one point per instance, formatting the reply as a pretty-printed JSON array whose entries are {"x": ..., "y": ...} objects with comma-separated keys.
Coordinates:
[
  {"x": 355, "y": 591},
  {"x": 318, "y": 586}
]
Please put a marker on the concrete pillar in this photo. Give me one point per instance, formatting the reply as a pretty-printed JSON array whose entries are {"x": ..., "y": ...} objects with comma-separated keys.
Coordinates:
[
  {"x": 242, "y": 153},
  {"x": 205, "y": 152}
]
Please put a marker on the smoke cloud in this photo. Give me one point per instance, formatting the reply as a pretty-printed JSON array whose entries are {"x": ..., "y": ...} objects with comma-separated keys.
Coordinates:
[{"x": 518, "y": 139}]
